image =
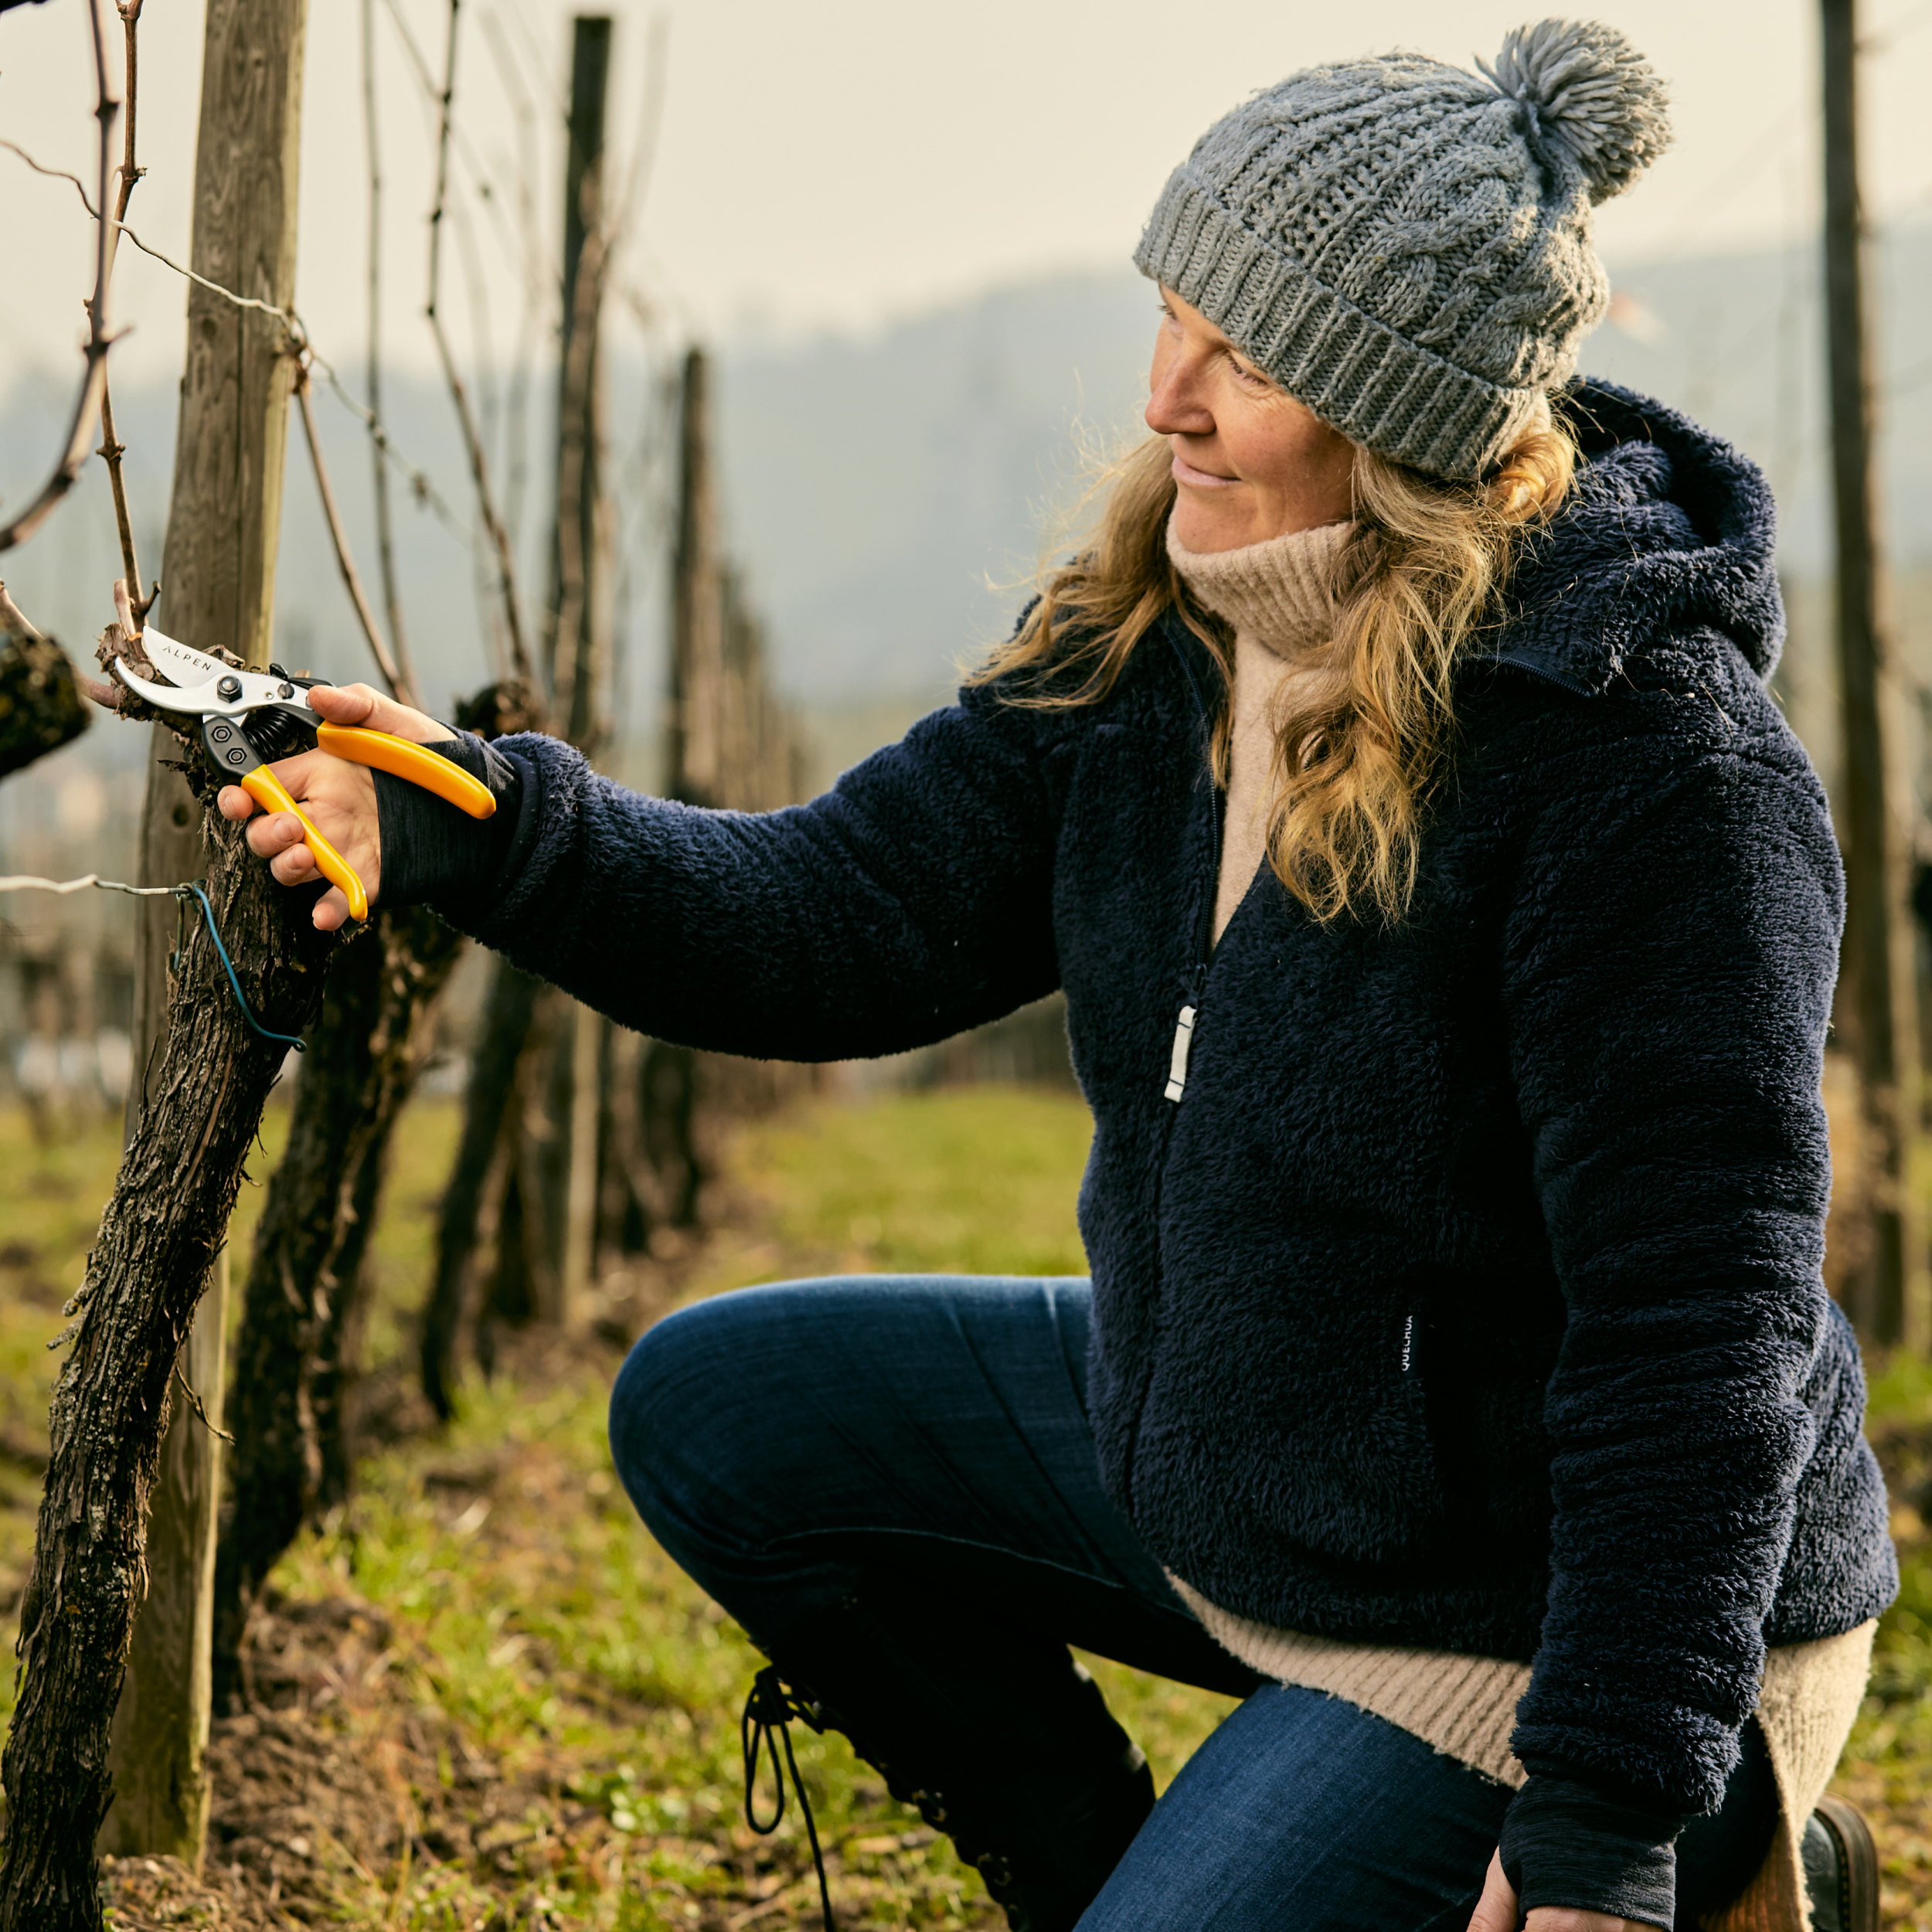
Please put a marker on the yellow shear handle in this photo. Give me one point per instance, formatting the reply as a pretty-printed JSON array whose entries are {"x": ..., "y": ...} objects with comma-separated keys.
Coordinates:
[
  {"x": 271, "y": 794},
  {"x": 401, "y": 759}
]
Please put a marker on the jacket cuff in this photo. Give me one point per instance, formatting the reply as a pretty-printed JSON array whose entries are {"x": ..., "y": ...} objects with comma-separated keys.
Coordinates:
[
  {"x": 430, "y": 849},
  {"x": 1574, "y": 1843}
]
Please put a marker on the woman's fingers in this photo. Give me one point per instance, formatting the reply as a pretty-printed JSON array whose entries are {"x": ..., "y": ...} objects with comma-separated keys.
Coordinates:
[
  {"x": 1496, "y": 1910},
  {"x": 331, "y": 782},
  {"x": 360, "y": 704},
  {"x": 339, "y": 799},
  {"x": 331, "y": 910},
  {"x": 291, "y": 863},
  {"x": 290, "y": 860}
]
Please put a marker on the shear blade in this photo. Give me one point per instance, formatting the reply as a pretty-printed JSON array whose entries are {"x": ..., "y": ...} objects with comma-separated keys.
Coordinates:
[
  {"x": 183, "y": 665},
  {"x": 165, "y": 695}
]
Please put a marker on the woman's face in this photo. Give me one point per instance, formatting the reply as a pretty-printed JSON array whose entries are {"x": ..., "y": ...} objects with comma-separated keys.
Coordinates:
[{"x": 1250, "y": 461}]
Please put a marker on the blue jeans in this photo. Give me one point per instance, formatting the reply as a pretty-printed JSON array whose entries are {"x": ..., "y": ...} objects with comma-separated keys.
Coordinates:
[{"x": 783, "y": 1441}]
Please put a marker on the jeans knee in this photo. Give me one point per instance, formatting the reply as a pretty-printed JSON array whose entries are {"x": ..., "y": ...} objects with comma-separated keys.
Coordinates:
[{"x": 670, "y": 1421}]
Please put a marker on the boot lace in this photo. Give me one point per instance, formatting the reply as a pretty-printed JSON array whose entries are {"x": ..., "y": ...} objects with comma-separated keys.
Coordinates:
[{"x": 766, "y": 1724}]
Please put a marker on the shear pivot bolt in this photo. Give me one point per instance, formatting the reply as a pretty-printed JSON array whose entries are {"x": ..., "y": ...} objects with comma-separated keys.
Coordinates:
[{"x": 229, "y": 689}]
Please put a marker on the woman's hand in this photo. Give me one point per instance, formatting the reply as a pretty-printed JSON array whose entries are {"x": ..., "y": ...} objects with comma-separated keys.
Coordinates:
[
  {"x": 1496, "y": 1911},
  {"x": 338, "y": 796}
]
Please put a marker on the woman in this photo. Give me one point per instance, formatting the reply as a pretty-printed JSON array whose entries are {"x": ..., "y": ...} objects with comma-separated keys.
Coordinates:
[{"x": 1447, "y": 924}]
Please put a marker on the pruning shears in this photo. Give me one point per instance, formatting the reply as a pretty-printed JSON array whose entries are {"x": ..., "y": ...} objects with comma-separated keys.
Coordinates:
[{"x": 249, "y": 720}]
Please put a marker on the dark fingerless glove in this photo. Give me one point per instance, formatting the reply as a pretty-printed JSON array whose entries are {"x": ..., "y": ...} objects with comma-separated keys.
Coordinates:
[
  {"x": 1571, "y": 1842},
  {"x": 431, "y": 851}
]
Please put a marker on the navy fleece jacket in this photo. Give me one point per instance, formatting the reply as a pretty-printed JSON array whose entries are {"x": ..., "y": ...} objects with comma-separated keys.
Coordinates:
[{"x": 1470, "y": 1296}]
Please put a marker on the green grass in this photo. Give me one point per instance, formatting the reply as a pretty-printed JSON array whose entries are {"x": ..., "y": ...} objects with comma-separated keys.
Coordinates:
[{"x": 967, "y": 1181}]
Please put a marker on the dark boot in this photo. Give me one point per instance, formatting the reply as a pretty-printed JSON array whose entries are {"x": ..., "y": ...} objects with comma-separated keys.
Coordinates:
[
  {"x": 994, "y": 1732},
  {"x": 1840, "y": 1869}
]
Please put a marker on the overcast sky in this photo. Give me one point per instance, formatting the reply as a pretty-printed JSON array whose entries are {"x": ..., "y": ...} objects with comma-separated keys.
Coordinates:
[{"x": 853, "y": 160}]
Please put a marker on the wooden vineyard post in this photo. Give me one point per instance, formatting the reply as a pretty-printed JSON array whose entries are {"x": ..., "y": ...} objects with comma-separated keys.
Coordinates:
[
  {"x": 729, "y": 743},
  {"x": 694, "y": 755},
  {"x": 1888, "y": 1301},
  {"x": 694, "y": 762},
  {"x": 224, "y": 522},
  {"x": 578, "y": 643},
  {"x": 580, "y": 626}
]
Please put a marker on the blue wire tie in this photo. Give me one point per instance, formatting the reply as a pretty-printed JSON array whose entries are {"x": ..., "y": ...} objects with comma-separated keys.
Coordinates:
[{"x": 208, "y": 913}]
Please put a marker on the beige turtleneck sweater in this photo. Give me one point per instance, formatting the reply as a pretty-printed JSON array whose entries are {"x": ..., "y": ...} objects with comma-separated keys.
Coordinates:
[{"x": 1279, "y": 598}]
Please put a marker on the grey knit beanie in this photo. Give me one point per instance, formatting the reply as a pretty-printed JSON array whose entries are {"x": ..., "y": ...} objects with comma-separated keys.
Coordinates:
[{"x": 1406, "y": 247}]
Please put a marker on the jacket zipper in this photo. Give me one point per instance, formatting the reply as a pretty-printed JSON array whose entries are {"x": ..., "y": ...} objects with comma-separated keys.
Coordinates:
[
  {"x": 1204, "y": 926},
  {"x": 1176, "y": 1081},
  {"x": 1561, "y": 680}
]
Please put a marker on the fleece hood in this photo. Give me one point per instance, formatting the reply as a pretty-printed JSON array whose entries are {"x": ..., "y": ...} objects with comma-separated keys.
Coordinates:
[{"x": 1666, "y": 544}]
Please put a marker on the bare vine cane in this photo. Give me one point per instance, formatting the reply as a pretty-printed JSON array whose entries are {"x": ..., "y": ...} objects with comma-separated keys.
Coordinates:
[
  {"x": 93, "y": 380},
  {"x": 112, "y": 449}
]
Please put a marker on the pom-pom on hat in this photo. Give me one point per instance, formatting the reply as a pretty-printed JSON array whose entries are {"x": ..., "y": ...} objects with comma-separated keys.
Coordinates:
[{"x": 1406, "y": 247}]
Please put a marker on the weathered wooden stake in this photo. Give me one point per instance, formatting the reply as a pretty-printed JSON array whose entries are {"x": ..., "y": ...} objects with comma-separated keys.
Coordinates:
[
  {"x": 729, "y": 743},
  {"x": 1890, "y": 1303},
  {"x": 694, "y": 753},
  {"x": 577, "y": 636},
  {"x": 577, "y": 644},
  {"x": 502, "y": 1034},
  {"x": 224, "y": 522}
]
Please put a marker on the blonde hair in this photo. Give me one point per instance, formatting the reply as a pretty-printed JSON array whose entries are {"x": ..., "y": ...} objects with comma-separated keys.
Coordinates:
[{"x": 1360, "y": 744}]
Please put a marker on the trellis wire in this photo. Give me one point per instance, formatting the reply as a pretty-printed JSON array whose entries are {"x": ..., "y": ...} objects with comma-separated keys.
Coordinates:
[{"x": 25, "y": 882}]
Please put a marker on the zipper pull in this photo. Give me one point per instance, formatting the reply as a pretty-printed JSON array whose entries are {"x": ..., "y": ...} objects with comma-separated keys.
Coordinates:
[{"x": 1183, "y": 1044}]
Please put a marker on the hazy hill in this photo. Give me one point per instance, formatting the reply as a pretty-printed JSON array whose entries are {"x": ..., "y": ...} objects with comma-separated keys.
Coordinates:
[{"x": 872, "y": 486}]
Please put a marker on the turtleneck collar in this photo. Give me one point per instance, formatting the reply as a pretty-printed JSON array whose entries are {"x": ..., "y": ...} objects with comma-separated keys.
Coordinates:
[{"x": 1280, "y": 592}]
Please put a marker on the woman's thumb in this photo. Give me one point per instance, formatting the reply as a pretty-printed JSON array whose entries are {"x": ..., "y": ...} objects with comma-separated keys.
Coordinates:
[
  {"x": 1496, "y": 1910},
  {"x": 342, "y": 704}
]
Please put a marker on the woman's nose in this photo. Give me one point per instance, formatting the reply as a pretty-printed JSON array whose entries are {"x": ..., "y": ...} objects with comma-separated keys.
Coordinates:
[{"x": 1175, "y": 406}]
